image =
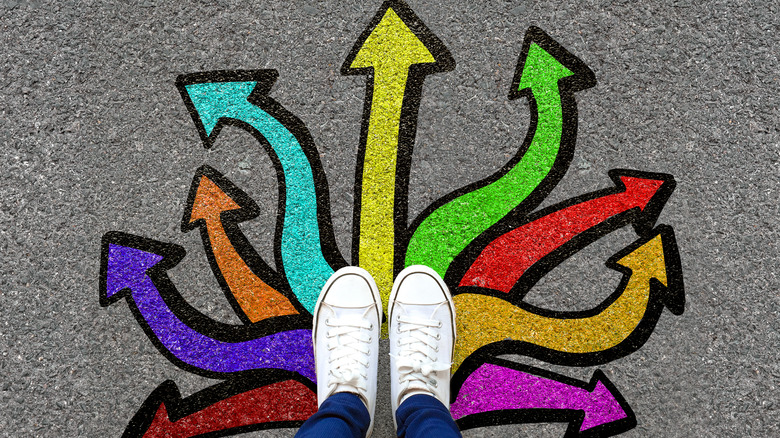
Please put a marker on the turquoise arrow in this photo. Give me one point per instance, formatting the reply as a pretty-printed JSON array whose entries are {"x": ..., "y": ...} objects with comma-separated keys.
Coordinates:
[
  {"x": 548, "y": 75},
  {"x": 240, "y": 98}
]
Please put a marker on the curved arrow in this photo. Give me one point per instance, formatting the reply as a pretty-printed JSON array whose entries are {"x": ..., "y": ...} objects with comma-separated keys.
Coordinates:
[
  {"x": 240, "y": 405},
  {"x": 505, "y": 392},
  {"x": 305, "y": 246},
  {"x": 397, "y": 51},
  {"x": 216, "y": 206},
  {"x": 549, "y": 75},
  {"x": 553, "y": 234},
  {"x": 652, "y": 279},
  {"x": 135, "y": 268}
]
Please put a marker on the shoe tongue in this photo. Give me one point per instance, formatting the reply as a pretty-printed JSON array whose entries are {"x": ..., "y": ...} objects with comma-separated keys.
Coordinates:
[
  {"x": 349, "y": 312},
  {"x": 425, "y": 311}
]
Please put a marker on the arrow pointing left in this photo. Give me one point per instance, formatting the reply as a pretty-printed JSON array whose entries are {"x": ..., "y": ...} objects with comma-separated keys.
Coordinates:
[
  {"x": 308, "y": 251},
  {"x": 135, "y": 268},
  {"x": 239, "y": 405}
]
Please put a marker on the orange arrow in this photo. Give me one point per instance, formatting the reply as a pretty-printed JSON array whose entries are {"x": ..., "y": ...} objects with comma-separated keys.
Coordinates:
[{"x": 216, "y": 206}]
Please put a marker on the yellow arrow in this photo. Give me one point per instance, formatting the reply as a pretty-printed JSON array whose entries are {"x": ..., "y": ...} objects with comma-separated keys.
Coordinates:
[
  {"x": 482, "y": 320},
  {"x": 396, "y": 59}
]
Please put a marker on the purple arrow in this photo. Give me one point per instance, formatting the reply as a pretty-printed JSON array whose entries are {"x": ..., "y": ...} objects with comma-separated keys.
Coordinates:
[
  {"x": 128, "y": 268},
  {"x": 497, "y": 388}
]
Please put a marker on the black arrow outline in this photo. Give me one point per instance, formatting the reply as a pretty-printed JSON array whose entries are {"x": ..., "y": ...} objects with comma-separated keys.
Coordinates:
[
  {"x": 572, "y": 416},
  {"x": 172, "y": 254},
  {"x": 260, "y": 98},
  {"x": 641, "y": 219},
  {"x": 671, "y": 296},
  {"x": 583, "y": 78},
  {"x": 178, "y": 407},
  {"x": 230, "y": 220},
  {"x": 408, "y": 122}
]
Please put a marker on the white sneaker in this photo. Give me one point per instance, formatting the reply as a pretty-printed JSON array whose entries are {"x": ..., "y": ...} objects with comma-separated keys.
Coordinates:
[
  {"x": 422, "y": 335},
  {"x": 346, "y": 337}
]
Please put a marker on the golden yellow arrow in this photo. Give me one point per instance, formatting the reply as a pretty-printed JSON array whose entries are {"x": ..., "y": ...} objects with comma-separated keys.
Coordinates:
[{"x": 624, "y": 321}]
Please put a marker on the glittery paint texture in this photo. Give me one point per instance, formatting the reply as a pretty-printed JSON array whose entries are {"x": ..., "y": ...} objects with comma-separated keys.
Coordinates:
[
  {"x": 507, "y": 258},
  {"x": 396, "y": 58},
  {"x": 305, "y": 266},
  {"x": 572, "y": 335},
  {"x": 288, "y": 350},
  {"x": 446, "y": 231},
  {"x": 495, "y": 388},
  {"x": 256, "y": 299},
  {"x": 283, "y": 402},
  {"x": 487, "y": 240}
]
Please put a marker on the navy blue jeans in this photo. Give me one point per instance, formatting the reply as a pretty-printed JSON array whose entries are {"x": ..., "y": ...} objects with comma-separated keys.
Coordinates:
[{"x": 344, "y": 415}]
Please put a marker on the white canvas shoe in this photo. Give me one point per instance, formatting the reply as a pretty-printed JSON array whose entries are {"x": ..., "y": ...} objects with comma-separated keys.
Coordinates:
[
  {"x": 422, "y": 336},
  {"x": 346, "y": 337}
]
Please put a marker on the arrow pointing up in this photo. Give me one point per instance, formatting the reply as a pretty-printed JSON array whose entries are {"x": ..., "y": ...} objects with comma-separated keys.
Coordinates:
[
  {"x": 549, "y": 76},
  {"x": 307, "y": 247},
  {"x": 396, "y": 51},
  {"x": 215, "y": 205}
]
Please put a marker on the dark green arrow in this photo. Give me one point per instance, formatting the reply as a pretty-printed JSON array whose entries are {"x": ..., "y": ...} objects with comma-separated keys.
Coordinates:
[{"x": 548, "y": 75}]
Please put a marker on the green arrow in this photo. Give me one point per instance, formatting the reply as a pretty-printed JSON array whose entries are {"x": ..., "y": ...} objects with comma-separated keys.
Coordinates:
[
  {"x": 548, "y": 75},
  {"x": 396, "y": 51}
]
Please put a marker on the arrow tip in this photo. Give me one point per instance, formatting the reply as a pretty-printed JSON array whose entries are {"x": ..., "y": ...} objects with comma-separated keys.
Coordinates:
[
  {"x": 210, "y": 96},
  {"x": 657, "y": 259},
  {"x": 211, "y": 194},
  {"x": 647, "y": 190},
  {"x": 544, "y": 62},
  {"x": 396, "y": 37},
  {"x": 607, "y": 408},
  {"x": 125, "y": 260}
]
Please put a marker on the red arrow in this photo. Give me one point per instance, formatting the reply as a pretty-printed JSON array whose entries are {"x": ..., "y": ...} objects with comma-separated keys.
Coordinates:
[
  {"x": 504, "y": 261},
  {"x": 287, "y": 401}
]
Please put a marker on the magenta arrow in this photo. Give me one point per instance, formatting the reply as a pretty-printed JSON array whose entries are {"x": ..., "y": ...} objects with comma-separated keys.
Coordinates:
[
  {"x": 504, "y": 261},
  {"x": 494, "y": 388},
  {"x": 134, "y": 268}
]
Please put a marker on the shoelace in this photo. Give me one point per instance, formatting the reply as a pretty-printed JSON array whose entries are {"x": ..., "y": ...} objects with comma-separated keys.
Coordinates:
[
  {"x": 349, "y": 342},
  {"x": 416, "y": 359}
]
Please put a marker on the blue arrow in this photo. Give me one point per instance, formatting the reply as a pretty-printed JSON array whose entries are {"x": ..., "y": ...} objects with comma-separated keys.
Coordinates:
[
  {"x": 219, "y": 97},
  {"x": 133, "y": 268}
]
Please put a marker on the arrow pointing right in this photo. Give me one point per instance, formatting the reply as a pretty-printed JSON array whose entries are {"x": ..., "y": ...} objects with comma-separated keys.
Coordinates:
[
  {"x": 522, "y": 394},
  {"x": 507, "y": 258},
  {"x": 652, "y": 280}
]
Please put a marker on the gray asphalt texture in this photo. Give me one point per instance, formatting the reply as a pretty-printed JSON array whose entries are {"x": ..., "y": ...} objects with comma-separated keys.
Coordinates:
[{"x": 96, "y": 138}]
